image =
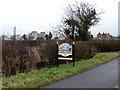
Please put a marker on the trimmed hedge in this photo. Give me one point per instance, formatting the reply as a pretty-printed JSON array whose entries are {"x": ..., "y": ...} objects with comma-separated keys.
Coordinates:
[
  {"x": 17, "y": 58},
  {"x": 107, "y": 45},
  {"x": 24, "y": 56},
  {"x": 84, "y": 50}
]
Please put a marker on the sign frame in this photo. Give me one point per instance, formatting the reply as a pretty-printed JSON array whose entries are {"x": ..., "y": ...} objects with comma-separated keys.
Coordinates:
[{"x": 64, "y": 58}]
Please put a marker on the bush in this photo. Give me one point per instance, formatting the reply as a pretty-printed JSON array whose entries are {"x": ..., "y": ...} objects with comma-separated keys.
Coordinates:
[
  {"x": 24, "y": 56},
  {"x": 107, "y": 45},
  {"x": 21, "y": 56},
  {"x": 84, "y": 50},
  {"x": 47, "y": 53},
  {"x": 17, "y": 58}
]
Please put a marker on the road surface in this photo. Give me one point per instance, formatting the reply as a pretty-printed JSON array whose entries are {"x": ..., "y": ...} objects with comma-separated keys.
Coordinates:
[{"x": 103, "y": 76}]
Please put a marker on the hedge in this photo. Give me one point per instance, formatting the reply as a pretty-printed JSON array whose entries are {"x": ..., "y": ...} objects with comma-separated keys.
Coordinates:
[
  {"x": 109, "y": 45},
  {"x": 24, "y": 56}
]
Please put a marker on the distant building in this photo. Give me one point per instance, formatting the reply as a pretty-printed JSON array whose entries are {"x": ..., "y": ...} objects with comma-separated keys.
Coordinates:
[
  {"x": 34, "y": 35},
  {"x": 41, "y": 34},
  {"x": 18, "y": 37},
  {"x": 104, "y": 36}
]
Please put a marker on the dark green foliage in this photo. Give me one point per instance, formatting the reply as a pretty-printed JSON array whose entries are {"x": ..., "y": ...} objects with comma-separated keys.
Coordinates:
[
  {"x": 78, "y": 20},
  {"x": 3, "y": 37},
  {"x": 24, "y": 37},
  {"x": 48, "y": 36}
]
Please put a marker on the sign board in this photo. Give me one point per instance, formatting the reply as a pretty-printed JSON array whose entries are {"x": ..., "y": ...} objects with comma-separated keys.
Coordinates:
[{"x": 65, "y": 51}]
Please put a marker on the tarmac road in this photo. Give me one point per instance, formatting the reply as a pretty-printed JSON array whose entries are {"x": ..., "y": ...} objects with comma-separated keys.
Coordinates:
[{"x": 103, "y": 76}]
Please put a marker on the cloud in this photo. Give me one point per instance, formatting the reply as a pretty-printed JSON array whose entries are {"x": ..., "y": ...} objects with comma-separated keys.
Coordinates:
[{"x": 38, "y": 14}]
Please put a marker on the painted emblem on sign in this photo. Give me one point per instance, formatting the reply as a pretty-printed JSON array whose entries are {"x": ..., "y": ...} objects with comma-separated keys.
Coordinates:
[{"x": 65, "y": 49}]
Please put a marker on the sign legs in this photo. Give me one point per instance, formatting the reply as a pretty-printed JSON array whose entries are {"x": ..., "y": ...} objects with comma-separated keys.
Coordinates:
[
  {"x": 73, "y": 47},
  {"x": 57, "y": 55}
]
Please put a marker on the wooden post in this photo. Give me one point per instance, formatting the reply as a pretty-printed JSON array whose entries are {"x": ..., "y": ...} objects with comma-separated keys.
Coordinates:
[
  {"x": 57, "y": 55},
  {"x": 73, "y": 45}
]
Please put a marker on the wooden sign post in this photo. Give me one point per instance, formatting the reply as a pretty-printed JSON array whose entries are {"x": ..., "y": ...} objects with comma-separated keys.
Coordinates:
[
  {"x": 57, "y": 54},
  {"x": 73, "y": 53},
  {"x": 65, "y": 51}
]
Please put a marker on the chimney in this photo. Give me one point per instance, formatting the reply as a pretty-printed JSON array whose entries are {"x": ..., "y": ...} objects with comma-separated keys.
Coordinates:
[{"x": 14, "y": 34}]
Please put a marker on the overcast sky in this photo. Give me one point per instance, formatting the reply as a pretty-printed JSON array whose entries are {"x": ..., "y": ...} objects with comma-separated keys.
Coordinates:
[{"x": 40, "y": 15}]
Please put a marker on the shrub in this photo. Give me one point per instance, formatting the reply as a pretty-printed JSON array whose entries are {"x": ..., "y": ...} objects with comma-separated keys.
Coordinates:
[
  {"x": 84, "y": 50},
  {"x": 21, "y": 56},
  {"x": 107, "y": 45},
  {"x": 17, "y": 58},
  {"x": 47, "y": 53}
]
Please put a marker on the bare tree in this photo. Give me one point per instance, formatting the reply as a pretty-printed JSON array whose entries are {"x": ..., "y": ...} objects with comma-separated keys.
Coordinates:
[{"x": 78, "y": 19}]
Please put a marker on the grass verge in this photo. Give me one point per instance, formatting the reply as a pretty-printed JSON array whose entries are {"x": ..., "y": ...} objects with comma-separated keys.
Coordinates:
[{"x": 39, "y": 78}]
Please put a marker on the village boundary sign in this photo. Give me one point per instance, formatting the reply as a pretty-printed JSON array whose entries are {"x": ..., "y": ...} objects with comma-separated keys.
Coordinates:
[{"x": 65, "y": 51}]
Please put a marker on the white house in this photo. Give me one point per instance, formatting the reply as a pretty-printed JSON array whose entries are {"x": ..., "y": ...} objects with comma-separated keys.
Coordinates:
[
  {"x": 41, "y": 34},
  {"x": 18, "y": 37},
  {"x": 34, "y": 35}
]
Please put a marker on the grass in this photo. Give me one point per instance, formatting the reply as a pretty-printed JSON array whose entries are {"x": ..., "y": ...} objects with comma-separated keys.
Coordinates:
[{"x": 45, "y": 76}]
